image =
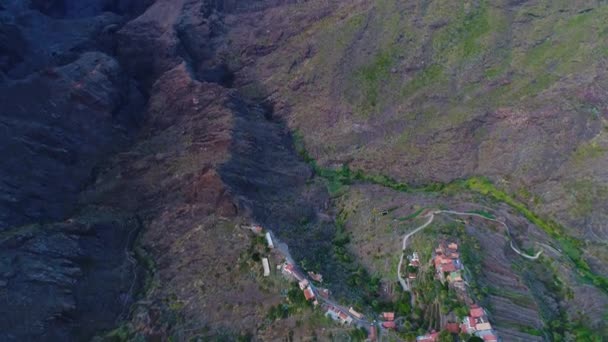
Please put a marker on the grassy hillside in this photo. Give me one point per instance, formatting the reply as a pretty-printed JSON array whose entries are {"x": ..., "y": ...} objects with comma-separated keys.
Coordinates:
[{"x": 434, "y": 91}]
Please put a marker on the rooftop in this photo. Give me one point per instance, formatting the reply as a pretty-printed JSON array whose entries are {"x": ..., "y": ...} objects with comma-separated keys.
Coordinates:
[
  {"x": 309, "y": 294},
  {"x": 476, "y": 311},
  {"x": 389, "y": 316}
]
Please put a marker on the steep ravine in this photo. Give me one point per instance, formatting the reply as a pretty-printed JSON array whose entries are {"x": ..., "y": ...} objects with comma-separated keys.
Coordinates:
[{"x": 141, "y": 134}]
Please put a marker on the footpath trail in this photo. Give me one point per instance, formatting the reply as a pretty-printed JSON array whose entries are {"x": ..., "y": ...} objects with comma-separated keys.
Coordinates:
[{"x": 431, "y": 216}]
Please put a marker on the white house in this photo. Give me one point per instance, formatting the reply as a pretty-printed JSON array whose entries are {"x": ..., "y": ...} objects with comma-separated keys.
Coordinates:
[
  {"x": 266, "y": 265},
  {"x": 269, "y": 240}
]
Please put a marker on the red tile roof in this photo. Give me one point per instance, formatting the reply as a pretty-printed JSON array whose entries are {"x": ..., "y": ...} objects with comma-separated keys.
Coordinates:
[
  {"x": 389, "y": 316},
  {"x": 476, "y": 311},
  {"x": 428, "y": 338},
  {"x": 453, "y": 328},
  {"x": 309, "y": 294},
  {"x": 448, "y": 267},
  {"x": 490, "y": 338},
  {"x": 372, "y": 333}
]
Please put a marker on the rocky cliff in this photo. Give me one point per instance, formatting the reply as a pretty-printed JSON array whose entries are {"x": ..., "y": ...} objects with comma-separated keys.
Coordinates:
[{"x": 138, "y": 135}]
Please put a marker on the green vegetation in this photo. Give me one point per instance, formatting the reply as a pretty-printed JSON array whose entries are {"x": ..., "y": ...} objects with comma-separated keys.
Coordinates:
[
  {"x": 588, "y": 151},
  {"x": 359, "y": 334},
  {"x": 412, "y": 215},
  {"x": 370, "y": 77},
  {"x": 426, "y": 77},
  {"x": 484, "y": 214},
  {"x": 570, "y": 245},
  {"x": 296, "y": 302}
]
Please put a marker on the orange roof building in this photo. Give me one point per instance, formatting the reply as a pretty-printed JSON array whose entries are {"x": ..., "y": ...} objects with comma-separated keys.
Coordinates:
[
  {"x": 389, "y": 316},
  {"x": 476, "y": 311},
  {"x": 453, "y": 328},
  {"x": 309, "y": 294},
  {"x": 373, "y": 335}
]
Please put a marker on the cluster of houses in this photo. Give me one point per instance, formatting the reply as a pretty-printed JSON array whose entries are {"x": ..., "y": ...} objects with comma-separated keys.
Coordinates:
[
  {"x": 449, "y": 267},
  {"x": 447, "y": 261},
  {"x": 477, "y": 323},
  {"x": 310, "y": 293},
  {"x": 291, "y": 271}
]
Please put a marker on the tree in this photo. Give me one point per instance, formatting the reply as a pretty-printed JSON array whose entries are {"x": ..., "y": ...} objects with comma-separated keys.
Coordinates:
[
  {"x": 358, "y": 334},
  {"x": 445, "y": 336},
  {"x": 475, "y": 339}
]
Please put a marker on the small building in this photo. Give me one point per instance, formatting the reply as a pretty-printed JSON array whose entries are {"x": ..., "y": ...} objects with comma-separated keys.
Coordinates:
[
  {"x": 323, "y": 292},
  {"x": 355, "y": 313},
  {"x": 388, "y": 316},
  {"x": 476, "y": 311},
  {"x": 266, "y": 266},
  {"x": 389, "y": 325},
  {"x": 452, "y": 328},
  {"x": 453, "y": 246},
  {"x": 257, "y": 229},
  {"x": 316, "y": 276},
  {"x": 414, "y": 260},
  {"x": 467, "y": 325},
  {"x": 338, "y": 315},
  {"x": 309, "y": 294},
  {"x": 447, "y": 267},
  {"x": 303, "y": 284},
  {"x": 483, "y": 326},
  {"x": 269, "y": 240},
  {"x": 373, "y": 334},
  {"x": 431, "y": 337},
  {"x": 487, "y": 336},
  {"x": 290, "y": 270},
  {"x": 345, "y": 318}
]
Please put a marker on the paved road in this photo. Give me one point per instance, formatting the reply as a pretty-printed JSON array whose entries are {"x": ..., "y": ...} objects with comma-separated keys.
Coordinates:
[
  {"x": 431, "y": 216},
  {"x": 513, "y": 247}
]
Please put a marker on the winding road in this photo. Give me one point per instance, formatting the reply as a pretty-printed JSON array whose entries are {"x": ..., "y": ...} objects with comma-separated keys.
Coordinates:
[
  {"x": 431, "y": 216},
  {"x": 402, "y": 281}
]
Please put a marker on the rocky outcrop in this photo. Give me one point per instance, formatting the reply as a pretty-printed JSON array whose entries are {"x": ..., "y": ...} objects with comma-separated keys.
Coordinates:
[
  {"x": 58, "y": 278},
  {"x": 57, "y": 125},
  {"x": 65, "y": 105}
]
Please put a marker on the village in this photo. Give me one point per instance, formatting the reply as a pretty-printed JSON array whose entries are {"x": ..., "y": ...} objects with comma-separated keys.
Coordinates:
[{"x": 448, "y": 269}]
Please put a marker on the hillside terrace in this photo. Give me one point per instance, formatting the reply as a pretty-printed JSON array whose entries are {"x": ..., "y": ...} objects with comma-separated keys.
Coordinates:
[{"x": 448, "y": 267}]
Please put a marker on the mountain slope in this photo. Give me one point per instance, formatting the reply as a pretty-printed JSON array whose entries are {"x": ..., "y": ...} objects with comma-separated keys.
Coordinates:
[{"x": 438, "y": 90}]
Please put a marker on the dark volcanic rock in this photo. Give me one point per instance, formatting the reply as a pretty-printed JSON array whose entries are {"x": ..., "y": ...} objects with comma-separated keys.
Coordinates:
[
  {"x": 57, "y": 125},
  {"x": 12, "y": 47},
  {"x": 87, "y": 8},
  {"x": 57, "y": 279}
]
